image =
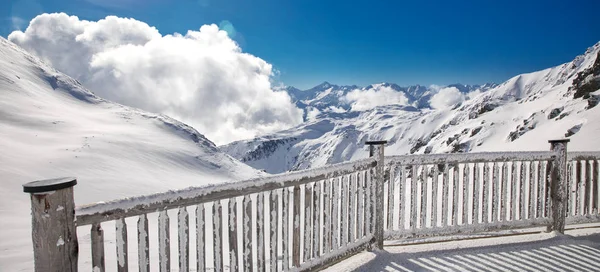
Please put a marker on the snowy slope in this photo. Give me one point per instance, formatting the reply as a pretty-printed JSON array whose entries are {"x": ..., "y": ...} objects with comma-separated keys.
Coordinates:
[
  {"x": 50, "y": 126},
  {"x": 519, "y": 114}
]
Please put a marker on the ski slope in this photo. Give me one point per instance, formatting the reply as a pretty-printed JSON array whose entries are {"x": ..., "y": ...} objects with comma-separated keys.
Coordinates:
[{"x": 50, "y": 126}]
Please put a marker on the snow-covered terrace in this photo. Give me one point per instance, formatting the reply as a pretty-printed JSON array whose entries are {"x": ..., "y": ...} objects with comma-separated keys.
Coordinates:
[{"x": 576, "y": 250}]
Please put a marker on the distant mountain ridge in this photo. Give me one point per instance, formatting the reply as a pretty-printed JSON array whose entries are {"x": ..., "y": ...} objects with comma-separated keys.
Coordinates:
[{"x": 519, "y": 114}]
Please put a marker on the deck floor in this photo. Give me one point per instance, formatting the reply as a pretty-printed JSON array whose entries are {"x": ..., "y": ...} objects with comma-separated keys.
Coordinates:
[{"x": 577, "y": 250}]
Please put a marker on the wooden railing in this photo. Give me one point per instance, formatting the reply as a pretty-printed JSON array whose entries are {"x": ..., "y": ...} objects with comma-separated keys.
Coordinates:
[{"x": 306, "y": 220}]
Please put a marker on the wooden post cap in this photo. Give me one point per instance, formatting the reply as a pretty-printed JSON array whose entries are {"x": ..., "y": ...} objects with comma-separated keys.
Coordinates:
[
  {"x": 376, "y": 142},
  {"x": 559, "y": 141},
  {"x": 48, "y": 185}
]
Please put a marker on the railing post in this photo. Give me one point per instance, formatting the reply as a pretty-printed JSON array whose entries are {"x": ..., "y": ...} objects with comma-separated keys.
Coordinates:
[
  {"x": 558, "y": 185},
  {"x": 54, "y": 235},
  {"x": 379, "y": 179}
]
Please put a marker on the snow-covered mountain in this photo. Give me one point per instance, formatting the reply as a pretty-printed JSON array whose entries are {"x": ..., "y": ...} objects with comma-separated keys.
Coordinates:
[
  {"x": 327, "y": 97},
  {"x": 50, "y": 126},
  {"x": 519, "y": 114}
]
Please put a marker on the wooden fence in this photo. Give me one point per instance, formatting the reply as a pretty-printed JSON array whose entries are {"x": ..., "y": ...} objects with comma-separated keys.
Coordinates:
[{"x": 306, "y": 220}]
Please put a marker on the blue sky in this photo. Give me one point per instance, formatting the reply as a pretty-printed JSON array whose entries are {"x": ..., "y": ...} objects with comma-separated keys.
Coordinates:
[{"x": 363, "y": 42}]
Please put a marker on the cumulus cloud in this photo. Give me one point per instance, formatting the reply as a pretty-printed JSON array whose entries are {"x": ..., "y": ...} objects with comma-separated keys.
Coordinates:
[
  {"x": 364, "y": 99},
  {"x": 312, "y": 113},
  {"x": 202, "y": 78},
  {"x": 446, "y": 97}
]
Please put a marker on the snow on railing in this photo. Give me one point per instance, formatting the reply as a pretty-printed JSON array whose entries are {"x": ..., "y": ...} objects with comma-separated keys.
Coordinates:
[{"x": 309, "y": 219}]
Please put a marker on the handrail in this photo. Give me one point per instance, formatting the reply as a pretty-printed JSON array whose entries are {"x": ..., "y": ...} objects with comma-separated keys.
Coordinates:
[
  {"x": 101, "y": 212},
  {"x": 586, "y": 155},
  {"x": 470, "y": 157}
]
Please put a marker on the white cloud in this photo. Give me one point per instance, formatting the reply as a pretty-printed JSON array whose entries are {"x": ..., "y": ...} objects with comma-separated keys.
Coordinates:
[
  {"x": 473, "y": 94},
  {"x": 311, "y": 113},
  {"x": 446, "y": 97},
  {"x": 17, "y": 22},
  {"x": 202, "y": 78},
  {"x": 361, "y": 99},
  {"x": 336, "y": 109}
]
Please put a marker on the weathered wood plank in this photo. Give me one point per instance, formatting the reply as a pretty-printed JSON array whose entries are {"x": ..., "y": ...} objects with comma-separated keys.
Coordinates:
[
  {"x": 317, "y": 211},
  {"x": 434, "y": 197},
  {"x": 200, "y": 238},
  {"x": 335, "y": 220},
  {"x": 485, "y": 207},
  {"x": 183, "y": 223},
  {"x": 413, "y": 197},
  {"x": 296, "y": 234},
  {"x": 143, "y": 244},
  {"x": 360, "y": 204},
  {"x": 218, "y": 236},
  {"x": 531, "y": 201},
  {"x": 260, "y": 231},
  {"x": 587, "y": 188},
  {"x": 121, "y": 245},
  {"x": 514, "y": 184},
  {"x": 423, "y": 182},
  {"x": 467, "y": 192},
  {"x": 495, "y": 191},
  {"x": 326, "y": 216},
  {"x": 307, "y": 222},
  {"x": 390, "y": 196},
  {"x": 445, "y": 195},
  {"x": 455, "y": 205},
  {"x": 285, "y": 232},
  {"x": 164, "y": 242},
  {"x": 547, "y": 173},
  {"x": 274, "y": 218},
  {"x": 505, "y": 193},
  {"x": 97, "y": 238},
  {"x": 233, "y": 235},
  {"x": 596, "y": 175},
  {"x": 135, "y": 206},
  {"x": 373, "y": 202},
  {"x": 541, "y": 181},
  {"x": 479, "y": 157},
  {"x": 344, "y": 212},
  {"x": 571, "y": 190},
  {"x": 247, "y": 232},
  {"x": 476, "y": 186},
  {"x": 522, "y": 192},
  {"x": 352, "y": 209},
  {"x": 580, "y": 189},
  {"x": 593, "y": 184}
]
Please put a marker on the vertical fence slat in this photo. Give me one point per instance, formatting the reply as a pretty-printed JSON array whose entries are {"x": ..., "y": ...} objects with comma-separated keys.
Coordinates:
[
  {"x": 335, "y": 197},
  {"x": 360, "y": 204},
  {"x": 352, "y": 210},
  {"x": 515, "y": 192},
  {"x": 285, "y": 222},
  {"x": 587, "y": 187},
  {"x": 326, "y": 216},
  {"x": 260, "y": 231},
  {"x": 505, "y": 193},
  {"x": 183, "y": 223},
  {"x": 592, "y": 183},
  {"x": 97, "y": 237},
  {"x": 465, "y": 194},
  {"x": 596, "y": 175},
  {"x": 344, "y": 211},
  {"x": 434, "y": 195},
  {"x": 455, "y": 205},
  {"x": 373, "y": 202},
  {"x": 541, "y": 184},
  {"x": 247, "y": 232},
  {"x": 164, "y": 247},
  {"x": 413, "y": 198},
  {"x": 391, "y": 196},
  {"x": 571, "y": 190},
  {"x": 423, "y": 182},
  {"x": 143, "y": 243},
  {"x": 218, "y": 235},
  {"x": 296, "y": 235},
  {"x": 445, "y": 194},
  {"x": 495, "y": 191},
  {"x": 547, "y": 173},
  {"x": 307, "y": 221},
  {"x": 531, "y": 202},
  {"x": 317, "y": 211},
  {"x": 522, "y": 193},
  {"x": 485, "y": 206},
  {"x": 476, "y": 186},
  {"x": 580, "y": 188},
  {"x": 200, "y": 238},
  {"x": 121, "y": 245},
  {"x": 273, "y": 216},
  {"x": 401, "y": 201},
  {"x": 233, "y": 235}
]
